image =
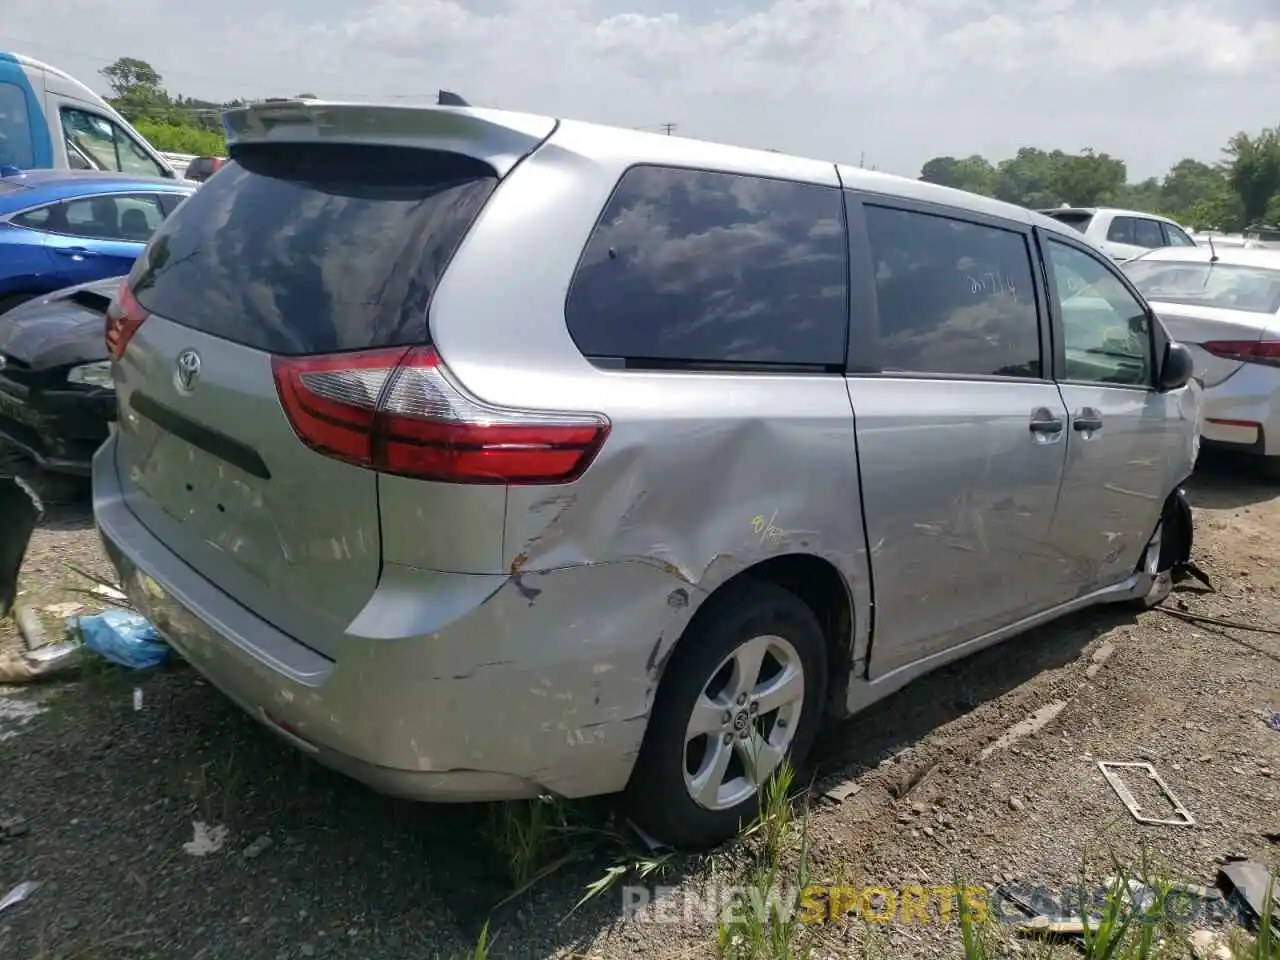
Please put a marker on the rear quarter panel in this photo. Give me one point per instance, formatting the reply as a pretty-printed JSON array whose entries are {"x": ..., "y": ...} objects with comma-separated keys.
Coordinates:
[{"x": 703, "y": 475}]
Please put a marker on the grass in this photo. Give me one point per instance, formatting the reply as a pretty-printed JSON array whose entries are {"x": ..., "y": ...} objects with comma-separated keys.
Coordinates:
[
  {"x": 537, "y": 838},
  {"x": 763, "y": 928}
]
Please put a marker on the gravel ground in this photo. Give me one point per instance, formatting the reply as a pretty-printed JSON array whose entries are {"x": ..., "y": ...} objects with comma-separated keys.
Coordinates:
[{"x": 316, "y": 866}]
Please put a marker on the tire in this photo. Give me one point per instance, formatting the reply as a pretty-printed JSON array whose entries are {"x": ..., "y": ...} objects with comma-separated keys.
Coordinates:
[
  {"x": 1269, "y": 468},
  {"x": 745, "y": 618}
]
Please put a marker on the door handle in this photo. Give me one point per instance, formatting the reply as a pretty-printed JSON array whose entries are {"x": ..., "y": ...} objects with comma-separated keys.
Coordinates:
[
  {"x": 1087, "y": 420},
  {"x": 75, "y": 253},
  {"x": 1045, "y": 421}
]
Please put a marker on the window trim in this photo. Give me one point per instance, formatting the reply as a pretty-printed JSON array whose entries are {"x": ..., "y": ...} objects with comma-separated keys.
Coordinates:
[
  {"x": 658, "y": 366},
  {"x": 862, "y": 278},
  {"x": 1043, "y": 239},
  {"x": 9, "y": 217},
  {"x": 119, "y": 131}
]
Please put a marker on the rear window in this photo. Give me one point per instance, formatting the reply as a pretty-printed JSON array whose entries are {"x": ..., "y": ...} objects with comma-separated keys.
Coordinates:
[
  {"x": 1072, "y": 218},
  {"x": 1225, "y": 286},
  {"x": 314, "y": 249}
]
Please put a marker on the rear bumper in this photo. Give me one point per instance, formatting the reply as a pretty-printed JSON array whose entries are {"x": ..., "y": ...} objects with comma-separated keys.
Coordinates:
[
  {"x": 1243, "y": 412},
  {"x": 519, "y": 686}
]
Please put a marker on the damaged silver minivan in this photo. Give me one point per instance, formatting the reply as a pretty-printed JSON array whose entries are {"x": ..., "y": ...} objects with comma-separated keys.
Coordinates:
[{"x": 483, "y": 455}]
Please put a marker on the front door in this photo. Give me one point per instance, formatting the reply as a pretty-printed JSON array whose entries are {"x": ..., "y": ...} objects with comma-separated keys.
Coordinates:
[
  {"x": 961, "y": 433},
  {"x": 1123, "y": 432}
]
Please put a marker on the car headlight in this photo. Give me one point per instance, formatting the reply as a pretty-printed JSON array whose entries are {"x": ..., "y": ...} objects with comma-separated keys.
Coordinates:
[{"x": 92, "y": 374}]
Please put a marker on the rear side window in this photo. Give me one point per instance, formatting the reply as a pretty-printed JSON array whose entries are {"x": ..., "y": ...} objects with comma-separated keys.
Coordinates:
[
  {"x": 15, "y": 128},
  {"x": 954, "y": 297},
  {"x": 698, "y": 268},
  {"x": 1122, "y": 231},
  {"x": 314, "y": 249},
  {"x": 1175, "y": 237}
]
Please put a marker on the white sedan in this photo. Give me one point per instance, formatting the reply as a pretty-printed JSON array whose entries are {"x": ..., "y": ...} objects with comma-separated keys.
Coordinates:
[{"x": 1223, "y": 303}]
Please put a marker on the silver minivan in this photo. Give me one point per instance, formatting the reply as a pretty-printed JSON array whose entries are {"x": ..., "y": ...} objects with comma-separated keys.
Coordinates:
[{"x": 483, "y": 455}]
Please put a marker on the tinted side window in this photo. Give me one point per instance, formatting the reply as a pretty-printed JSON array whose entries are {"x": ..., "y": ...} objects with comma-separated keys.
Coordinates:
[
  {"x": 954, "y": 297},
  {"x": 15, "y": 128},
  {"x": 713, "y": 268},
  {"x": 1121, "y": 230},
  {"x": 1147, "y": 234},
  {"x": 1105, "y": 331},
  {"x": 132, "y": 218}
]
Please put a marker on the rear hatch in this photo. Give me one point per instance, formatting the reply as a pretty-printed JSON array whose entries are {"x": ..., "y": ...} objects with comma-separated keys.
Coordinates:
[{"x": 296, "y": 249}]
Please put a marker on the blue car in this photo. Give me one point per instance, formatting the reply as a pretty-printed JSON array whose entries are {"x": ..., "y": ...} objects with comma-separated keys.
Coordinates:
[{"x": 65, "y": 227}]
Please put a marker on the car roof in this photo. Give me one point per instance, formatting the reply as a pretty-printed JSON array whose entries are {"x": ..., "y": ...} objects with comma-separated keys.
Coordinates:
[
  {"x": 508, "y": 133},
  {"x": 1226, "y": 255},
  {"x": 47, "y": 186}
]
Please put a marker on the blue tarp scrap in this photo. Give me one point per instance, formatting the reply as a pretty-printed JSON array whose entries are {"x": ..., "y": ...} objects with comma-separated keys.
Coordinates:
[{"x": 122, "y": 637}]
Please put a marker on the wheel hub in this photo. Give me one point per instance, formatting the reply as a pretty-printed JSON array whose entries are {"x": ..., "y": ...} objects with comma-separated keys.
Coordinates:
[{"x": 743, "y": 722}]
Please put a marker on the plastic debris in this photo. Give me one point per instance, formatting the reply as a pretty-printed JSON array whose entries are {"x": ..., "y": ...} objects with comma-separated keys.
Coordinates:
[
  {"x": 42, "y": 663},
  {"x": 122, "y": 637},
  {"x": 137, "y": 699},
  {"x": 1273, "y": 721},
  {"x": 205, "y": 839},
  {"x": 18, "y": 894},
  {"x": 1111, "y": 771}
]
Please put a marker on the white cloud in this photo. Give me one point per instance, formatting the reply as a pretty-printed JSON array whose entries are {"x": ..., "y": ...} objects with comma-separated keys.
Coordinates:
[{"x": 1149, "y": 80}]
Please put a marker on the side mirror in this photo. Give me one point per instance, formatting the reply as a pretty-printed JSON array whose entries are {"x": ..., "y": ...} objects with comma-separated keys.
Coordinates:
[{"x": 1177, "y": 369}]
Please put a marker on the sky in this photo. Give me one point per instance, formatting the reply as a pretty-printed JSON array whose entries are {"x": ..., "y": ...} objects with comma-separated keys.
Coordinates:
[{"x": 887, "y": 82}]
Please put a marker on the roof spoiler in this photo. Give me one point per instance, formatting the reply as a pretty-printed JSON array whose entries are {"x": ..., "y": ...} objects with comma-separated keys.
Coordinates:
[{"x": 499, "y": 138}]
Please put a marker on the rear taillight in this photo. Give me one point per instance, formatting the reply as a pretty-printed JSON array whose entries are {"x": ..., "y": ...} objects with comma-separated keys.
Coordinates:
[
  {"x": 1266, "y": 352},
  {"x": 124, "y": 317},
  {"x": 399, "y": 411}
]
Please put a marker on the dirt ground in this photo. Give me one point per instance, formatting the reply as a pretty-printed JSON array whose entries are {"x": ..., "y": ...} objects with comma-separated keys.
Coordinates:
[{"x": 316, "y": 866}]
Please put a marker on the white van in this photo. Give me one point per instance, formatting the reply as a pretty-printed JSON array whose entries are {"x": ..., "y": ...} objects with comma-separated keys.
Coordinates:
[{"x": 50, "y": 120}]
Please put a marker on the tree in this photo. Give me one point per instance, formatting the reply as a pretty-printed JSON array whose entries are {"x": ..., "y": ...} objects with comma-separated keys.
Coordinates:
[
  {"x": 1027, "y": 178},
  {"x": 1086, "y": 179},
  {"x": 974, "y": 174},
  {"x": 1253, "y": 171},
  {"x": 137, "y": 90}
]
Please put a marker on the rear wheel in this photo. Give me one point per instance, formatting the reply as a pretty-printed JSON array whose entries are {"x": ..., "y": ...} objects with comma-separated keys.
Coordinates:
[
  {"x": 743, "y": 692},
  {"x": 1269, "y": 467}
]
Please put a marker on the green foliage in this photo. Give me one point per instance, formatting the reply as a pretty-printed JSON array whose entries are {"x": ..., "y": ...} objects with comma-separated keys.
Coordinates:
[
  {"x": 182, "y": 138},
  {"x": 171, "y": 123},
  {"x": 1243, "y": 189}
]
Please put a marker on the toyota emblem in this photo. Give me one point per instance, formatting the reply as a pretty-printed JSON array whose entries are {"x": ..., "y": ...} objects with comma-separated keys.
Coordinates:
[{"x": 188, "y": 371}]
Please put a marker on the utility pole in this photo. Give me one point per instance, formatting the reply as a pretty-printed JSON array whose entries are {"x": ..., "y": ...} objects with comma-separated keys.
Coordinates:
[
  {"x": 862, "y": 159},
  {"x": 668, "y": 128}
]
